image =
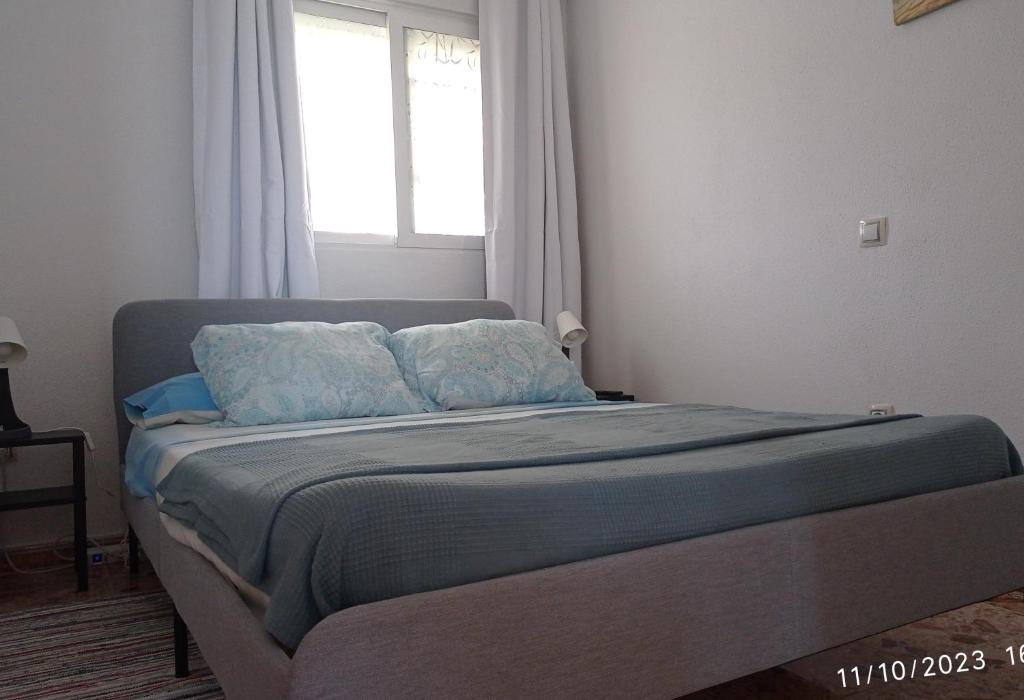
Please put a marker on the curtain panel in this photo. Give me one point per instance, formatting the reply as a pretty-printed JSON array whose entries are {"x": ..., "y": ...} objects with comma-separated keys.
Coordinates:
[
  {"x": 253, "y": 224},
  {"x": 532, "y": 246}
]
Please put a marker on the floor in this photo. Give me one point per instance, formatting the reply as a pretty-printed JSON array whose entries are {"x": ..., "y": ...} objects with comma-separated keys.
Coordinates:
[
  {"x": 986, "y": 627},
  {"x": 23, "y": 591}
]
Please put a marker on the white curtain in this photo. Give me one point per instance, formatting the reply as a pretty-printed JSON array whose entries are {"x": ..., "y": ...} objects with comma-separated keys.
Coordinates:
[
  {"x": 532, "y": 239},
  {"x": 252, "y": 202}
]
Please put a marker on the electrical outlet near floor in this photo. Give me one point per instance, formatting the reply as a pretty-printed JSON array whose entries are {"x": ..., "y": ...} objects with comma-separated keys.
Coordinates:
[
  {"x": 881, "y": 409},
  {"x": 97, "y": 556}
]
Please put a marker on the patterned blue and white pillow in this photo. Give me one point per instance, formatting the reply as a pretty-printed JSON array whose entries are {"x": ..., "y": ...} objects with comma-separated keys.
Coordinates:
[
  {"x": 484, "y": 363},
  {"x": 301, "y": 371}
]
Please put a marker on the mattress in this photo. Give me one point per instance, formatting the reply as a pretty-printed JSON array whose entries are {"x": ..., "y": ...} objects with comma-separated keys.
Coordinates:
[
  {"x": 256, "y": 599},
  {"x": 325, "y": 518}
]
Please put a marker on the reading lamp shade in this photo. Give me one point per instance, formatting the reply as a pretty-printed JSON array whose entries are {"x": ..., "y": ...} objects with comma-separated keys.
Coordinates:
[
  {"x": 12, "y": 352},
  {"x": 570, "y": 331},
  {"x": 12, "y": 347}
]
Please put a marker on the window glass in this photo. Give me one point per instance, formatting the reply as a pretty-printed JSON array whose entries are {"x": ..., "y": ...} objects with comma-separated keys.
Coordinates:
[
  {"x": 446, "y": 131},
  {"x": 345, "y": 78}
]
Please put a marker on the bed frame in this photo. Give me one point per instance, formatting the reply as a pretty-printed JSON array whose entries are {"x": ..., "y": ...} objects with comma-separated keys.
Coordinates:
[{"x": 656, "y": 622}]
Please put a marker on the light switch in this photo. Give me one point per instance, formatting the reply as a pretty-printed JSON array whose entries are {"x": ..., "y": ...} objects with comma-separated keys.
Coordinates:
[
  {"x": 869, "y": 231},
  {"x": 873, "y": 232}
]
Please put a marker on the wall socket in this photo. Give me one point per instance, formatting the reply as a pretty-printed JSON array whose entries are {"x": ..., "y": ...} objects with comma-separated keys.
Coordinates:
[{"x": 881, "y": 409}]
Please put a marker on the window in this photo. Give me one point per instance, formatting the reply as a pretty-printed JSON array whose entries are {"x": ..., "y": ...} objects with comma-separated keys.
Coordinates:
[
  {"x": 392, "y": 113},
  {"x": 345, "y": 68},
  {"x": 446, "y": 125}
]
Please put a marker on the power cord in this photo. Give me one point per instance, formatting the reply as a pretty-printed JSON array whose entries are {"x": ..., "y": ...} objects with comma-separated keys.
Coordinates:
[
  {"x": 28, "y": 572},
  {"x": 92, "y": 459},
  {"x": 110, "y": 551}
]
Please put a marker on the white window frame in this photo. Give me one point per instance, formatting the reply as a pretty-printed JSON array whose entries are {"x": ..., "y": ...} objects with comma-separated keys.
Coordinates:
[{"x": 397, "y": 16}]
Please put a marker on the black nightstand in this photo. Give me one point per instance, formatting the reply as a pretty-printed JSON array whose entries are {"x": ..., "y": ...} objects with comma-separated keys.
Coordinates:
[
  {"x": 607, "y": 395},
  {"x": 73, "y": 494}
]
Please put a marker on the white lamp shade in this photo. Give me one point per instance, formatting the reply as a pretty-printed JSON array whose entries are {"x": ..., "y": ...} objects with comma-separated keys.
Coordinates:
[
  {"x": 12, "y": 347},
  {"x": 570, "y": 331}
]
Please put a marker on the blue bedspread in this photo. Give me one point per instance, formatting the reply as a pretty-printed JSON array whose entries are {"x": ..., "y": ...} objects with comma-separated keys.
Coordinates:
[{"x": 326, "y": 522}]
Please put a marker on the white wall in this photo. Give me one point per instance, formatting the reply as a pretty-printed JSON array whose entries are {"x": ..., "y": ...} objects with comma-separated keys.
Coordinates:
[
  {"x": 352, "y": 271},
  {"x": 725, "y": 153},
  {"x": 96, "y": 210}
]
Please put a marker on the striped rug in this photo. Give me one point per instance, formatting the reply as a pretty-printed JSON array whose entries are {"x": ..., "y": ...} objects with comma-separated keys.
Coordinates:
[{"x": 108, "y": 648}]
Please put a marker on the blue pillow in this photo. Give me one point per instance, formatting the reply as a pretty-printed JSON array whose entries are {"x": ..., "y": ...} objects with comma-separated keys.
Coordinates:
[
  {"x": 301, "y": 371},
  {"x": 484, "y": 363},
  {"x": 183, "y": 399}
]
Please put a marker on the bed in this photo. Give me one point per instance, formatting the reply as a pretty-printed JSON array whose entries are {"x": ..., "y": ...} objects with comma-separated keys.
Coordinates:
[{"x": 643, "y": 612}]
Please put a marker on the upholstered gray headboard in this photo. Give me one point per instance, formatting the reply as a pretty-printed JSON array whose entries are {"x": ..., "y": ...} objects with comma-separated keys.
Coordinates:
[{"x": 151, "y": 338}]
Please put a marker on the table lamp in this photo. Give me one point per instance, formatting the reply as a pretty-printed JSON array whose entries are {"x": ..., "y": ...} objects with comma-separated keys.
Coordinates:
[
  {"x": 570, "y": 331},
  {"x": 12, "y": 352}
]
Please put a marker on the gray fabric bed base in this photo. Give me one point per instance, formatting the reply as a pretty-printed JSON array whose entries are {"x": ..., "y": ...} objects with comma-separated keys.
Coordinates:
[
  {"x": 245, "y": 659},
  {"x": 652, "y": 623}
]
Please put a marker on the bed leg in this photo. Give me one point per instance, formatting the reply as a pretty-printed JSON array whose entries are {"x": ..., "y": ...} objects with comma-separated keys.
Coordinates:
[
  {"x": 180, "y": 646},
  {"x": 133, "y": 552}
]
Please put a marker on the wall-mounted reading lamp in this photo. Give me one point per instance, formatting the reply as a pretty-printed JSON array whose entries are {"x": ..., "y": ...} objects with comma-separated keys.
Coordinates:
[{"x": 570, "y": 331}]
